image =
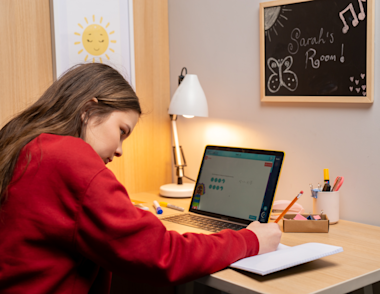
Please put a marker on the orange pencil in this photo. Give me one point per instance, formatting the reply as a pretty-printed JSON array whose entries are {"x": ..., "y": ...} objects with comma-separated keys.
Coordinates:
[{"x": 289, "y": 206}]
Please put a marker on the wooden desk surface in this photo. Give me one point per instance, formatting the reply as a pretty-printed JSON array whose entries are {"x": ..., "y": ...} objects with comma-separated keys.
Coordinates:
[{"x": 356, "y": 267}]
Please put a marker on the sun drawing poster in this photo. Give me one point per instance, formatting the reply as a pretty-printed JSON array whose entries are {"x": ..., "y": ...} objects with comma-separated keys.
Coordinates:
[{"x": 93, "y": 31}]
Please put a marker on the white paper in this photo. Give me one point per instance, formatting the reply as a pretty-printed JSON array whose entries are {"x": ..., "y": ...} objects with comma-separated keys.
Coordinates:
[{"x": 285, "y": 257}]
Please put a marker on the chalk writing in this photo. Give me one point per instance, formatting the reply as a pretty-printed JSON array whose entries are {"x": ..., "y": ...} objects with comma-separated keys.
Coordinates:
[
  {"x": 298, "y": 42},
  {"x": 316, "y": 62}
]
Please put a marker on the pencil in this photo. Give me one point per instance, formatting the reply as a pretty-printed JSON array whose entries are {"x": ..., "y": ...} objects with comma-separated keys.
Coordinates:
[{"x": 289, "y": 206}]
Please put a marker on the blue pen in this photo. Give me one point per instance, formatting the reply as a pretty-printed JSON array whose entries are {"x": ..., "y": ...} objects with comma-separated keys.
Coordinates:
[{"x": 157, "y": 207}]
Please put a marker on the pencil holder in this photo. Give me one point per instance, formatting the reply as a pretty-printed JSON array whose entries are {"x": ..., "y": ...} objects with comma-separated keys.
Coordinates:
[{"x": 328, "y": 202}]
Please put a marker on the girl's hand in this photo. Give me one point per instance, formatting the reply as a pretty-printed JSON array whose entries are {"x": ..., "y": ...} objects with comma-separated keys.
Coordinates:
[{"x": 269, "y": 235}]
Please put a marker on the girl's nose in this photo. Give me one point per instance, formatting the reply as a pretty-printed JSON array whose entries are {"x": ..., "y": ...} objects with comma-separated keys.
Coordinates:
[{"x": 119, "y": 150}]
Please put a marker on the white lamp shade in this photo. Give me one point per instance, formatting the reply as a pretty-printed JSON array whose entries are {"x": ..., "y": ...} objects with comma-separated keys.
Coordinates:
[{"x": 189, "y": 98}]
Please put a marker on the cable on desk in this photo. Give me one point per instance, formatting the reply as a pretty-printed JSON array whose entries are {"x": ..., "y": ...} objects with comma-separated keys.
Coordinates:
[{"x": 188, "y": 178}]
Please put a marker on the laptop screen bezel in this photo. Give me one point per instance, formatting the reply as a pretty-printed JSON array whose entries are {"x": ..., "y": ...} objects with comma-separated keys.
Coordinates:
[{"x": 277, "y": 154}]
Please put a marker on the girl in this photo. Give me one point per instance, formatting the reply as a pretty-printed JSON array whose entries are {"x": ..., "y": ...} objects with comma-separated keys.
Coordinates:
[{"x": 66, "y": 223}]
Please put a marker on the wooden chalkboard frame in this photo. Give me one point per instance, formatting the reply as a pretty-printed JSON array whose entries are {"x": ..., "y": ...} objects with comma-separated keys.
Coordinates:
[{"x": 325, "y": 99}]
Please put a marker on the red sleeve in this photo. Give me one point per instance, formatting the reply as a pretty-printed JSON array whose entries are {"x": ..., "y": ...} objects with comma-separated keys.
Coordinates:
[{"x": 132, "y": 242}]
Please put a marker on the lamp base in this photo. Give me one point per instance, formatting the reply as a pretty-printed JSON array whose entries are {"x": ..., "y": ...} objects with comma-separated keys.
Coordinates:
[{"x": 177, "y": 191}]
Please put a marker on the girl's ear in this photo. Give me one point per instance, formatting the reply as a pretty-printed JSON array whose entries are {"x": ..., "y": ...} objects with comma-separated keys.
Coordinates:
[
  {"x": 92, "y": 100},
  {"x": 83, "y": 116}
]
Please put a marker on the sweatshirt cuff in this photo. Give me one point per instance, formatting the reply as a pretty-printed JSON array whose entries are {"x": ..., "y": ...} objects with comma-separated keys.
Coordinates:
[{"x": 251, "y": 241}]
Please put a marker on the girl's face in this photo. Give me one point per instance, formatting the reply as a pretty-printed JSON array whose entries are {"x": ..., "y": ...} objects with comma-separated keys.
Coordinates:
[{"x": 107, "y": 137}]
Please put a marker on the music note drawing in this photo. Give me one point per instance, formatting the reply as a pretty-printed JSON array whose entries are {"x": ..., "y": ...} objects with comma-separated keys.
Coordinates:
[{"x": 356, "y": 17}]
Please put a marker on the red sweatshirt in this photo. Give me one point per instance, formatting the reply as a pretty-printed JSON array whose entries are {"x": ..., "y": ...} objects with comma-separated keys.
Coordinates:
[{"x": 68, "y": 223}]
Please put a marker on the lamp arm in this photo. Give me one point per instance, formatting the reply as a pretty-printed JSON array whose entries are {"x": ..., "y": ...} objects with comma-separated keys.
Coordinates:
[
  {"x": 176, "y": 142},
  {"x": 177, "y": 152}
]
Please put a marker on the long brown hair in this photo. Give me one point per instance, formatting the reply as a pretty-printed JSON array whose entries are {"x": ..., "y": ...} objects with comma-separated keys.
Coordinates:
[{"x": 59, "y": 111}]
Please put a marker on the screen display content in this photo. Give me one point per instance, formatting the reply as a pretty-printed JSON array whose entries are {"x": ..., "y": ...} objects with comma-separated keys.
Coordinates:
[{"x": 237, "y": 182}]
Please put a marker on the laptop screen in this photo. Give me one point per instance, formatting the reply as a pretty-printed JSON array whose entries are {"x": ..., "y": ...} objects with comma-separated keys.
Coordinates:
[{"x": 237, "y": 184}]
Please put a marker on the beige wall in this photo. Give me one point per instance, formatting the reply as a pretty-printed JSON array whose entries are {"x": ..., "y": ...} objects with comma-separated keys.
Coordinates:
[
  {"x": 219, "y": 41},
  {"x": 26, "y": 72}
]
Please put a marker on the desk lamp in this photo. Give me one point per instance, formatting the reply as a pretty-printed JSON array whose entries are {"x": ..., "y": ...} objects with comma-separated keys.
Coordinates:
[{"x": 188, "y": 100}]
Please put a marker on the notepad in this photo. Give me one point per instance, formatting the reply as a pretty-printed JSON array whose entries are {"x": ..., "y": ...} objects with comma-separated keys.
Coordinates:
[{"x": 285, "y": 257}]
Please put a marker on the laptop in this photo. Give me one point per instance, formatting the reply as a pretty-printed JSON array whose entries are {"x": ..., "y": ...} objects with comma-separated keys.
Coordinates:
[{"x": 234, "y": 187}]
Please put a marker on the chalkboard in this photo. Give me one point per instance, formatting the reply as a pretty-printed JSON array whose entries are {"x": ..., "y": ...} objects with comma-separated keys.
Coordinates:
[{"x": 317, "y": 51}]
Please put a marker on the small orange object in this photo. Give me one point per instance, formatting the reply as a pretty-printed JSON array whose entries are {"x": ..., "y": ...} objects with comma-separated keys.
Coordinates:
[{"x": 289, "y": 206}]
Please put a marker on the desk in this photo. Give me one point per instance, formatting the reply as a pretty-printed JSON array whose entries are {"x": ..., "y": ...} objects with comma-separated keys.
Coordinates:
[{"x": 356, "y": 267}]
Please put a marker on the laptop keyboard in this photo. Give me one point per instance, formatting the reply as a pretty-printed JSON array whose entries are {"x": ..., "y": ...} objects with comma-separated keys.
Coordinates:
[{"x": 203, "y": 223}]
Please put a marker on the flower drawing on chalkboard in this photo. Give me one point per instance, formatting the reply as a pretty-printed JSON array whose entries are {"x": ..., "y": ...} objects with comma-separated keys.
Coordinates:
[
  {"x": 281, "y": 74},
  {"x": 273, "y": 17}
]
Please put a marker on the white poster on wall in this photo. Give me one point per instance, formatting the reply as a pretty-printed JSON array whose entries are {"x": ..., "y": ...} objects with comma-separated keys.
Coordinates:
[{"x": 93, "y": 31}]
